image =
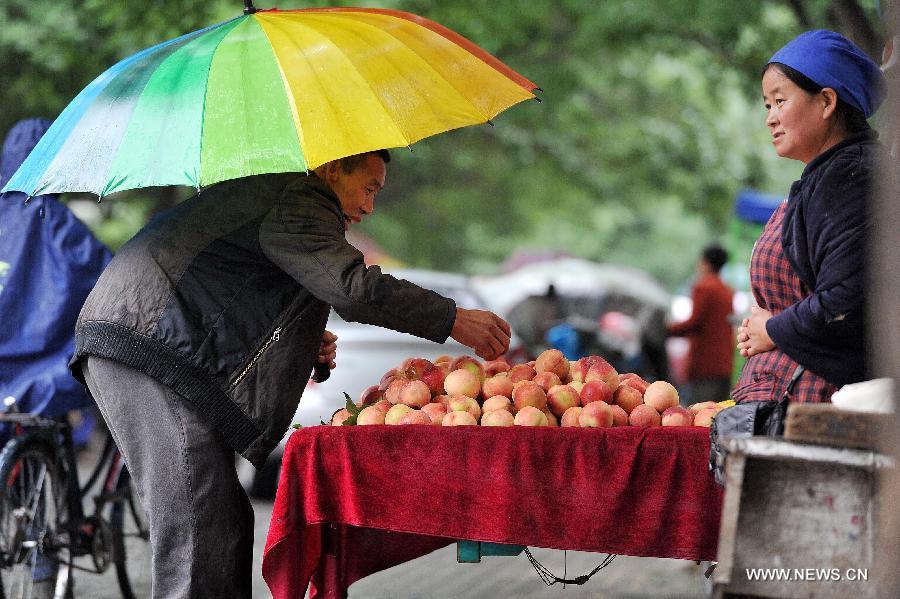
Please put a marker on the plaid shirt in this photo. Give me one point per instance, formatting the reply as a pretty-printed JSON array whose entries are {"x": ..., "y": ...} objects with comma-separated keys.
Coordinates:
[{"x": 776, "y": 286}]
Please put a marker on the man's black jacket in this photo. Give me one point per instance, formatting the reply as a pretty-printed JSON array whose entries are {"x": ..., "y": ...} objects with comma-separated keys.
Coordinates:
[{"x": 224, "y": 300}]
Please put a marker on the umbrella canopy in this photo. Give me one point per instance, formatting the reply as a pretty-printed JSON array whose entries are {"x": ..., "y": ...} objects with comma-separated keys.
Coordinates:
[{"x": 272, "y": 91}]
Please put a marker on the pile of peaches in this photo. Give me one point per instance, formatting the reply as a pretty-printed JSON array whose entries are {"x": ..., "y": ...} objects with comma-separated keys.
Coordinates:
[{"x": 550, "y": 391}]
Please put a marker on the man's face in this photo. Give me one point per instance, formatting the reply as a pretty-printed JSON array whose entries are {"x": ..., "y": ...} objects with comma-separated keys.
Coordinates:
[{"x": 357, "y": 190}]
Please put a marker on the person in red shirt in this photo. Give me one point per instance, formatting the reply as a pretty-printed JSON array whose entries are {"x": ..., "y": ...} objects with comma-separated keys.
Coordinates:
[{"x": 710, "y": 357}]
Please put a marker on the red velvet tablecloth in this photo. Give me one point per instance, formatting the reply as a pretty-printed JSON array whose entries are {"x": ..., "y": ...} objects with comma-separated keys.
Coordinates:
[{"x": 355, "y": 500}]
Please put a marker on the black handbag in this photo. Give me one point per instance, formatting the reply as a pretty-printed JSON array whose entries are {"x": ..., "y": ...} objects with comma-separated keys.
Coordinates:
[{"x": 754, "y": 418}]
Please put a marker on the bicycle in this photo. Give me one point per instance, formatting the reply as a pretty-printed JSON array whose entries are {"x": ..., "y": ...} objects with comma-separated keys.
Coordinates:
[{"x": 43, "y": 524}]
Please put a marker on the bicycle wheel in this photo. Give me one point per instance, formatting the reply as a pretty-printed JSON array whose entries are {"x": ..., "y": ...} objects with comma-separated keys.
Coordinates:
[
  {"x": 33, "y": 545},
  {"x": 131, "y": 539}
]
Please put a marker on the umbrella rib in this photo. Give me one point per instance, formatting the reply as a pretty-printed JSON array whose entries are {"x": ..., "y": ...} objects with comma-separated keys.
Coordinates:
[
  {"x": 362, "y": 77},
  {"x": 203, "y": 109},
  {"x": 288, "y": 94}
]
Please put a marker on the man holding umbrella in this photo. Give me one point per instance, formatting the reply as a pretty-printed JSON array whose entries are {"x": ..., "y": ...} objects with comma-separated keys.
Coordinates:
[{"x": 200, "y": 336}]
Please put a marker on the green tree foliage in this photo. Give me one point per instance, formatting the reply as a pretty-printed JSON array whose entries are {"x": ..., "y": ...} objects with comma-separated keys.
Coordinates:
[{"x": 650, "y": 121}]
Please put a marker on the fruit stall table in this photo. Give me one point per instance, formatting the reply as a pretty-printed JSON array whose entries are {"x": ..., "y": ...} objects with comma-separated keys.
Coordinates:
[{"x": 354, "y": 500}]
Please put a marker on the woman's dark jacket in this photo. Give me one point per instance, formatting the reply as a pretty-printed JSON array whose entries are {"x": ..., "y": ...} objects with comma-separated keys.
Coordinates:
[
  {"x": 825, "y": 231},
  {"x": 224, "y": 300}
]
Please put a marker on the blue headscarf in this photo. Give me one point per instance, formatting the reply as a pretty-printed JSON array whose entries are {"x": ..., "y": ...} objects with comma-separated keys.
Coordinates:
[{"x": 831, "y": 60}]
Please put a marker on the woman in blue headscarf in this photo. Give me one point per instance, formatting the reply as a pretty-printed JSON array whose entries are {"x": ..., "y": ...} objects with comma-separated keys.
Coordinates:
[{"x": 808, "y": 266}]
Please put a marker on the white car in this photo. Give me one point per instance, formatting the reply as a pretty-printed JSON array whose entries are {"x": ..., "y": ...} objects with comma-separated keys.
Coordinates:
[{"x": 364, "y": 354}]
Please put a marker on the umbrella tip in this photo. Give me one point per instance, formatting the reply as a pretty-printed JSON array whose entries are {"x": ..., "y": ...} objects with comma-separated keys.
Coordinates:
[
  {"x": 490, "y": 122},
  {"x": 248, "y": 7},
  {"x": 538, "y": 99}
]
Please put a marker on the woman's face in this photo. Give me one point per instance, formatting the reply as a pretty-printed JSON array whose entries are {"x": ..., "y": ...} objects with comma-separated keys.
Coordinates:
[{"x": 799, "y": 121}]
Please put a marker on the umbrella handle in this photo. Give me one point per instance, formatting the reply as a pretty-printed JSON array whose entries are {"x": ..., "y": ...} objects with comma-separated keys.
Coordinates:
[{"x": 248, "y": 7}]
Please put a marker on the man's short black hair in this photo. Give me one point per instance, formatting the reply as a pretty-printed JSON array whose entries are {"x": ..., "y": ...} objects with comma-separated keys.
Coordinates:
[
  {"x": 351, "y": 163},
  {"x": 716, "y": 256}
]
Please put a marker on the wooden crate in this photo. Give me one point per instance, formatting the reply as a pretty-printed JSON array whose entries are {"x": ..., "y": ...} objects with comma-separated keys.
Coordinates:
[
  {"x": 824, "y": 424},
  {"x": 805, "y": 514}
]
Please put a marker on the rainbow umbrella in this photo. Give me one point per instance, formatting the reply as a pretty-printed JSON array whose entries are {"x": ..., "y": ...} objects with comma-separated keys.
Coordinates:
[{"x": 269, "y": 91}]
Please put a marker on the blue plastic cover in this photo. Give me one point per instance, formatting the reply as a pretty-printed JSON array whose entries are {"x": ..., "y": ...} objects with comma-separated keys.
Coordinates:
[
  {"x": 49, "y": 261},
  {"x": 754, "y": 206}
]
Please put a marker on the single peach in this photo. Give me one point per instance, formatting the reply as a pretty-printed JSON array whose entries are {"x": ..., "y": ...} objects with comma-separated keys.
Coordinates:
[
  {"x": 705, "y": 417},
  {"x": 552, "y": 360},
  {"x": 602, "y": 371},
  {"x": 396, "y": 413},
  {"x": 596, "y": 391},
  {"x": 497, "y": 418},
  {"x": 530, "y": 416},
  {"x": 415, "y": 417},
  {"x": 528, "y": 393},
  {"x": 546, "y": 380},
  {"x": 370, "y": 415},
  {"x": 462, "y": 382},
  {"x": 497, "y": 402},
  {"x": 677, "y": 416},
  {"x": 661, "y": 395},
  {"x": 627, "y": 398},
  {"x": 596, "y": 414},
  {"x": 644, "y": 415},
  {"x": 415, "y": 394},
  {"x": 521, "y": 372},
  {"x": 499, "y": 384},
  {"x": 570, "y": 417},
  {"x": 634, "y": 381},
  {"x": 459, "y": 419},
  {"x": 562, "y": 397},
  {"x": 338, "y": 418}
]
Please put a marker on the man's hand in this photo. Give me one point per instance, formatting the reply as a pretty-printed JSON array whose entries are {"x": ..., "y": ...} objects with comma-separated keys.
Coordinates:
[
  {"x": 752, "y": 336},
  {"x": 328, "y": 349},
  {"x": 483, "y": 331}
]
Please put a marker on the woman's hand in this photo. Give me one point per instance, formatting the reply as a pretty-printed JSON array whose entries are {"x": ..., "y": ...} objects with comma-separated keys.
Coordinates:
[
  {"x": 328, "y": 349},
  {"x": 752, "y": 336}
]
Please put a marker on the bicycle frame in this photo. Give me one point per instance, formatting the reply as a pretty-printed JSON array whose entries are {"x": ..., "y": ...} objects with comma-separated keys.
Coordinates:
[{"x": 79, "y": 526}]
